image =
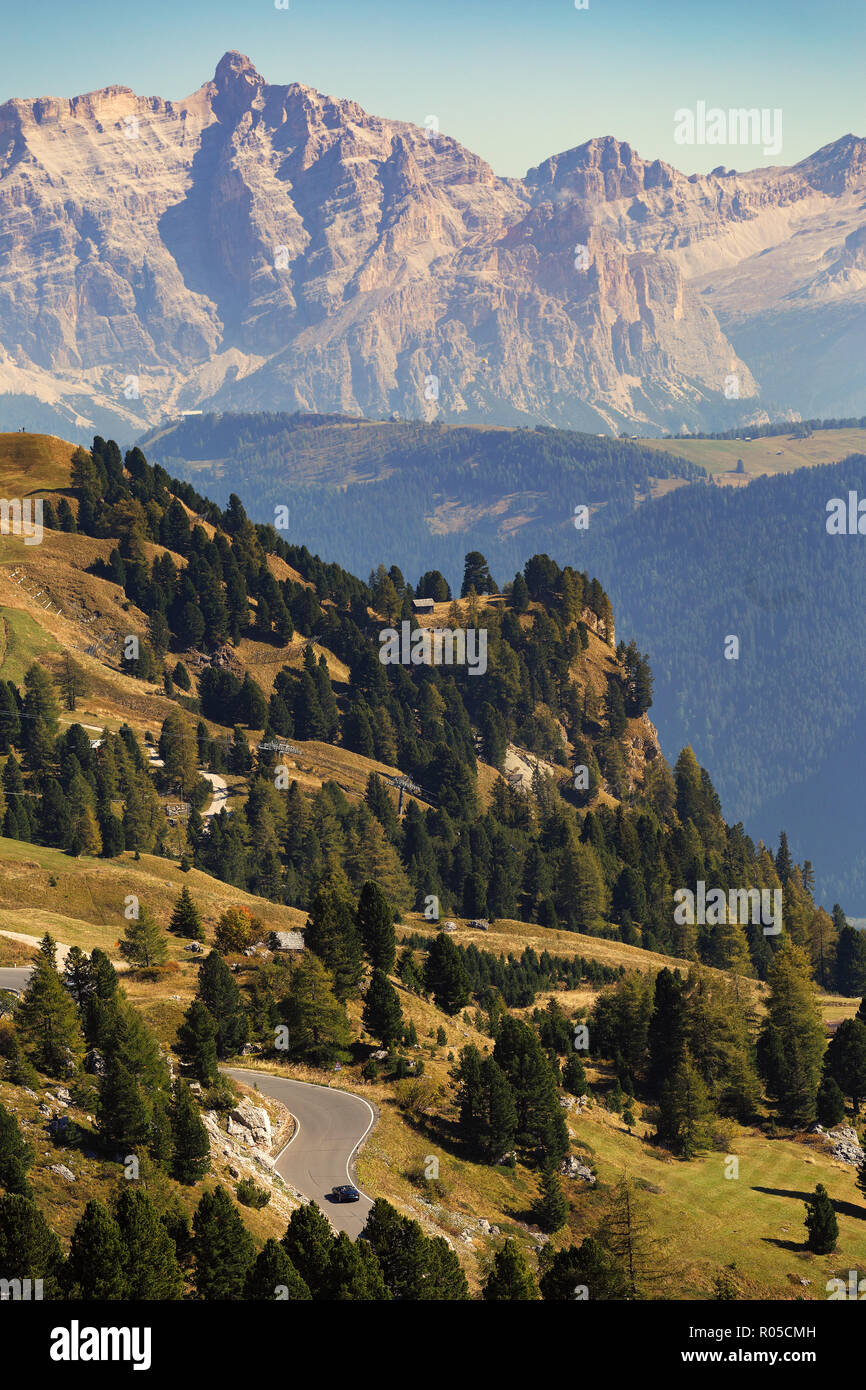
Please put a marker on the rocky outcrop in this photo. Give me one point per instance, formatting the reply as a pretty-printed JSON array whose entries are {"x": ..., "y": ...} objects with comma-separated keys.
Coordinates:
[
  {"x": 256, "y": 246},
  {"x": 250, "y": 1124},
  {"x": 845, "y": 1145}
]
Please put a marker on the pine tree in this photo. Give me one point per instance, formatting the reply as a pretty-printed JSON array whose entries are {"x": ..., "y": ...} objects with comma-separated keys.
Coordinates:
[
  {"x": 307, "y": 1242},
  {"x": 791, "y": 1043},
  {"x": 667, "y": 1029},
  {"x": 851, "y": 962},
  {"x": 684, "y": 1110},
  {"x": 217, "y": 988},
  {"x": 273, "y": 1276},
  {"x": 830, "y": 1104},
  {"x": 821, "y": 1223},
  {"x": 541, "y": 1128},
  {"x": 375, "y": 922},
  {"x": 223, "y": 1249},
  {"x": 510, "y": 1278},
  {"x": 191, "y": 1157},
  {"x": 29, "y": 1249},
  {"x": 574, "y": 1076},
  {"x": 332, "y": 933},
  {"x": 16, "y": 1156},
  {"x": 152, "y": 1270},
  {"x": 47, "y": 1018},
  {"x": 445, "y": 975},
  {"x": 551, "y": 1208},
  {"x": 196, "y": 1043},
  {"x": 353, "y": 1273},
  {"x": 143, "y": 943},
  {"x": 413, "y": 1266},
  {"x": 186, "y": 918},
  {"x": 584, "y": 1271},
  {"x": 97, "y": 1258},
  {"x": 382, "y": 1016},
  {"x": 845, "y": 1059}
]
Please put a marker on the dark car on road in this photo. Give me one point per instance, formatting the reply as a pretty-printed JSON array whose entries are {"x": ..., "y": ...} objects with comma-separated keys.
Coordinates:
[{"x": 346, "y": 1193}]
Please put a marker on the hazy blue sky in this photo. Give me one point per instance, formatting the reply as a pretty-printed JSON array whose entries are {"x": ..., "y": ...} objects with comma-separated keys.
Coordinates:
[{"x": 513, "y": 81}]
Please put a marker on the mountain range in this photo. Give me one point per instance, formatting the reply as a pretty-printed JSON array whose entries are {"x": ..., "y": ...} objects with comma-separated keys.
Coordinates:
[{"x": 262, "y": 247}]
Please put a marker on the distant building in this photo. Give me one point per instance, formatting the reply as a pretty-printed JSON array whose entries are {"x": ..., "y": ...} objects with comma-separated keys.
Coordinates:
[
  {"x": 423, "y": 605},
  {"x": 286, "y": 941}
]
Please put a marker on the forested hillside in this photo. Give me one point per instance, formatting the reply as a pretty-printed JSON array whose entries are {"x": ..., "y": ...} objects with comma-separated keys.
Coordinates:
[
  {"x": 776, "y": 726},
  {"x": 685, "y": 569},
  {"x": 535, "y": 800},
  {"x": 366, "y": 491}
]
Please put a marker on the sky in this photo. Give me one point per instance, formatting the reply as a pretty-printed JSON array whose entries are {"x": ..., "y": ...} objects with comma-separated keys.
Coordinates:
[{"x": 515, "y": 82}]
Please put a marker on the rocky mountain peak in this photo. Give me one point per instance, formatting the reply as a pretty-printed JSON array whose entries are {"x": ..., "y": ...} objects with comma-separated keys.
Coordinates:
[
  {"x": 601, "y": 169},
  {"x": 237, "y": 83}
]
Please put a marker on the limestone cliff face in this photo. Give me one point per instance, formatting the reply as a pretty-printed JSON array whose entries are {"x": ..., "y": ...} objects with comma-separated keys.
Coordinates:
[{"x": 269, "y": 247}]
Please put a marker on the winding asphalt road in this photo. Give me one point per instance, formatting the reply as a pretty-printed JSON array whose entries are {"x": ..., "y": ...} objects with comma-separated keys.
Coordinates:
[{"x": 330, "y": 1126}]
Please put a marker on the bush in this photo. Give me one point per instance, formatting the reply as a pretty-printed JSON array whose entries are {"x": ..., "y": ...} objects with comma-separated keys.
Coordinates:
[
  {"x": 221, "y": 1096},
  {"x": 237, "y": 929},
  {"x": 417, "y": 1095},
  {"x": 250, "y": 1195}
]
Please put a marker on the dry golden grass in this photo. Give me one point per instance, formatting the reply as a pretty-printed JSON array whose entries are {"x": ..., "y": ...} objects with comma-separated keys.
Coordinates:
[{"x": 33, "y": 463}]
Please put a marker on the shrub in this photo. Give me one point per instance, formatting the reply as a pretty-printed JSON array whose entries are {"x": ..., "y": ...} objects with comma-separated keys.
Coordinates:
[{"x": 250, "y": 1195}]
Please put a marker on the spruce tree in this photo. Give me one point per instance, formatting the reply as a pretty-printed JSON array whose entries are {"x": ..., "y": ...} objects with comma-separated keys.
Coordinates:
[
  {"x": 684, "y": 1111},
  {"x": 223, "y": 1250},
  {"x": 143, "y": 943},
  {"x": 821, "y": 1224},
  {"x": 273, "y": 1276},
  {"x": 307, "y": 1242},
  {"x": 588, "y": 1267},
  {"x": 375, "y": 922},
  {"x": 186, "y": 918},
  {"x": 667, "y": 1029},
  {"x": 333, "y": 934},
  {"x": 830, "y": 1104},
  {"x": 382, "y": 1016},
  {"x": 196, "y": 1043},
  {"x": 96, "y": 1267},
  {"x": 47, "y": 1018},
  {"x": 217, "y": 988},
  {"x": 541, "y": 1127},
  {"x": 551, "y": 1208},
  {"x": 29, "y": 1249},
  {"x": 354, "y": 1273},
  {"x": 510, "y": 1278},
  {"x": 574, "y": 1076},
  {"x": 152, "y": 1269},
  {"x": 845, "y": 1059},
  {"x": 16, "y": 1156},
  {"x": 191, "y": 1145},
  {"x": 791, "y": 1044},
  {"x": 445, "y": 975}
]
